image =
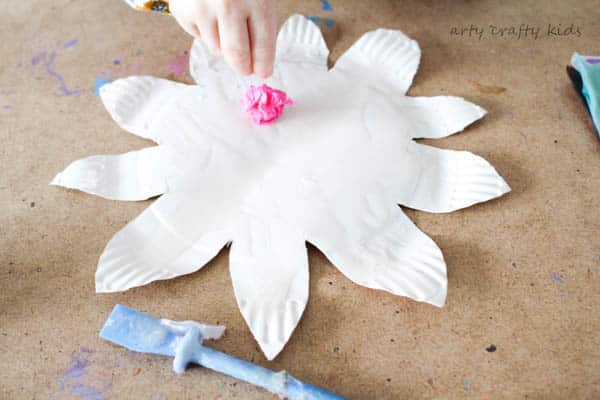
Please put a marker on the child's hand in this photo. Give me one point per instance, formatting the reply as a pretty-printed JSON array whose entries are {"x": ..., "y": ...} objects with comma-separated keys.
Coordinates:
[{"x": 243, "y": 30}]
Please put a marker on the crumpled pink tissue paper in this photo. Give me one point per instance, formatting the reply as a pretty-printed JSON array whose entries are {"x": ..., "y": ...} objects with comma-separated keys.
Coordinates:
[{"x": 264, "y": 104}]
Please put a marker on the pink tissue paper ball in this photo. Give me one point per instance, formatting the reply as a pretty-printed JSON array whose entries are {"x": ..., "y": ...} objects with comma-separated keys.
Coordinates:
[{"x": 264, "y": 104}]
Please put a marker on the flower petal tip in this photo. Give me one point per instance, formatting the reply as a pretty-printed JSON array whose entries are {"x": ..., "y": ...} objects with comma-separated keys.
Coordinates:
[
  {"x": 439, "y": 299},
  {"x": 56, "y": 181},
  {"x": 482, "y": 111},
  {"x": 105, "y": 284},
  {"x": 504, "y": 187},
  {"x": 272, "y": 349},
  {"x": 103, "y": 287}
]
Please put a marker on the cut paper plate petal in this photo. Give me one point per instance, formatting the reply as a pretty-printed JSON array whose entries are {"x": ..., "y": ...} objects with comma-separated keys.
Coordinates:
[
  {"x": 386, "y": 59},
  {"x": 269, "y": 271},
  {"x": 173, "y": 237},
  {"x": 137, "y": 175}
]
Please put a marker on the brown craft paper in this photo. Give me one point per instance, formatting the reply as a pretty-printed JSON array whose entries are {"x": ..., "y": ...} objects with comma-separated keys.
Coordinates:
[{"x": 521, "y": 318}]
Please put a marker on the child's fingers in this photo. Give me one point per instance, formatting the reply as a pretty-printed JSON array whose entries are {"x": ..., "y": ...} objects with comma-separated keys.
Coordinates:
[
  {"x": 190, "y": 27},
  {"x": 262, "y": 40},
  {"x": 181, "y": 13},
  {"x": 235, "y": 43},
  {"x": 210, "y": 33}
]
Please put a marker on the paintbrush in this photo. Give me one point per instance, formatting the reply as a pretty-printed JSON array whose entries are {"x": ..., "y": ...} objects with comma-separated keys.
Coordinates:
[{"x": 144, "y": 333}]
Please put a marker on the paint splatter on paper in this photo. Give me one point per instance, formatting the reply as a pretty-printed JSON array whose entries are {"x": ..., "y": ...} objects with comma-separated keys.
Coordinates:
[
  {"x": 77, "y": 367},
  {"x": 325, "y": 6},
  {"x": 70, "y": 43},
  {"x": 98, "y": 83},
  {"x": 180, "y": 64},
  {"x": 328, "y": 22},
  {"x": 88, "y": 392},
  {"x": 135, "y": 68},
  {"x": 556, "y": 277},
  {"x": 73, "y": 379},
  {"x": 467, "y": 387},
  {"x": 46, "y": 60}
]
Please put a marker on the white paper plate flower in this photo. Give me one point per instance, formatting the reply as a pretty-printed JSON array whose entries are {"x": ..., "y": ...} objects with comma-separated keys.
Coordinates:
[{"x": 331, "y": 171}]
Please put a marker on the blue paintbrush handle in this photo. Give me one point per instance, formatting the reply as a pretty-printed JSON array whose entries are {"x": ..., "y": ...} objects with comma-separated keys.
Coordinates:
[{"x": 280, "y": 383}]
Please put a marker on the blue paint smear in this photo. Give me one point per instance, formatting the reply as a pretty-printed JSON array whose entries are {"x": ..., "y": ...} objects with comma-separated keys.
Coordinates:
[
  {"x": 328, "y": 21},
  {"x": 326, "y": 6},
  {"x": 98, "y": 84},
  {"x": 71, "y": 43}
]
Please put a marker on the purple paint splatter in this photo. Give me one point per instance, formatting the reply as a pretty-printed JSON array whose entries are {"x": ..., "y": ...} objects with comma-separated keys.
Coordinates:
[
  {"x": 7, "y": 107},
  {"x": 77, "y": 367},
  {"x": 47, "y": 61},
  {"x": 73, "y": 377},
  {"x": 86, "y": 350},
  {"x": 180, "y": 64},
  {"x": 89, "y": 392},
  {"x": 593, "y": 60},
  {"x": 71, "y": 43},
  {"x": 35, "y": 60},
  {"x": 117, "y": 62},
  {"x": 556, "y": 277}
]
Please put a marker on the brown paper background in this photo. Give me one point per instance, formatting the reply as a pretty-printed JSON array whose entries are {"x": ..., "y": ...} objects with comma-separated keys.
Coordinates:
[{"x": 361, "y": 343}]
